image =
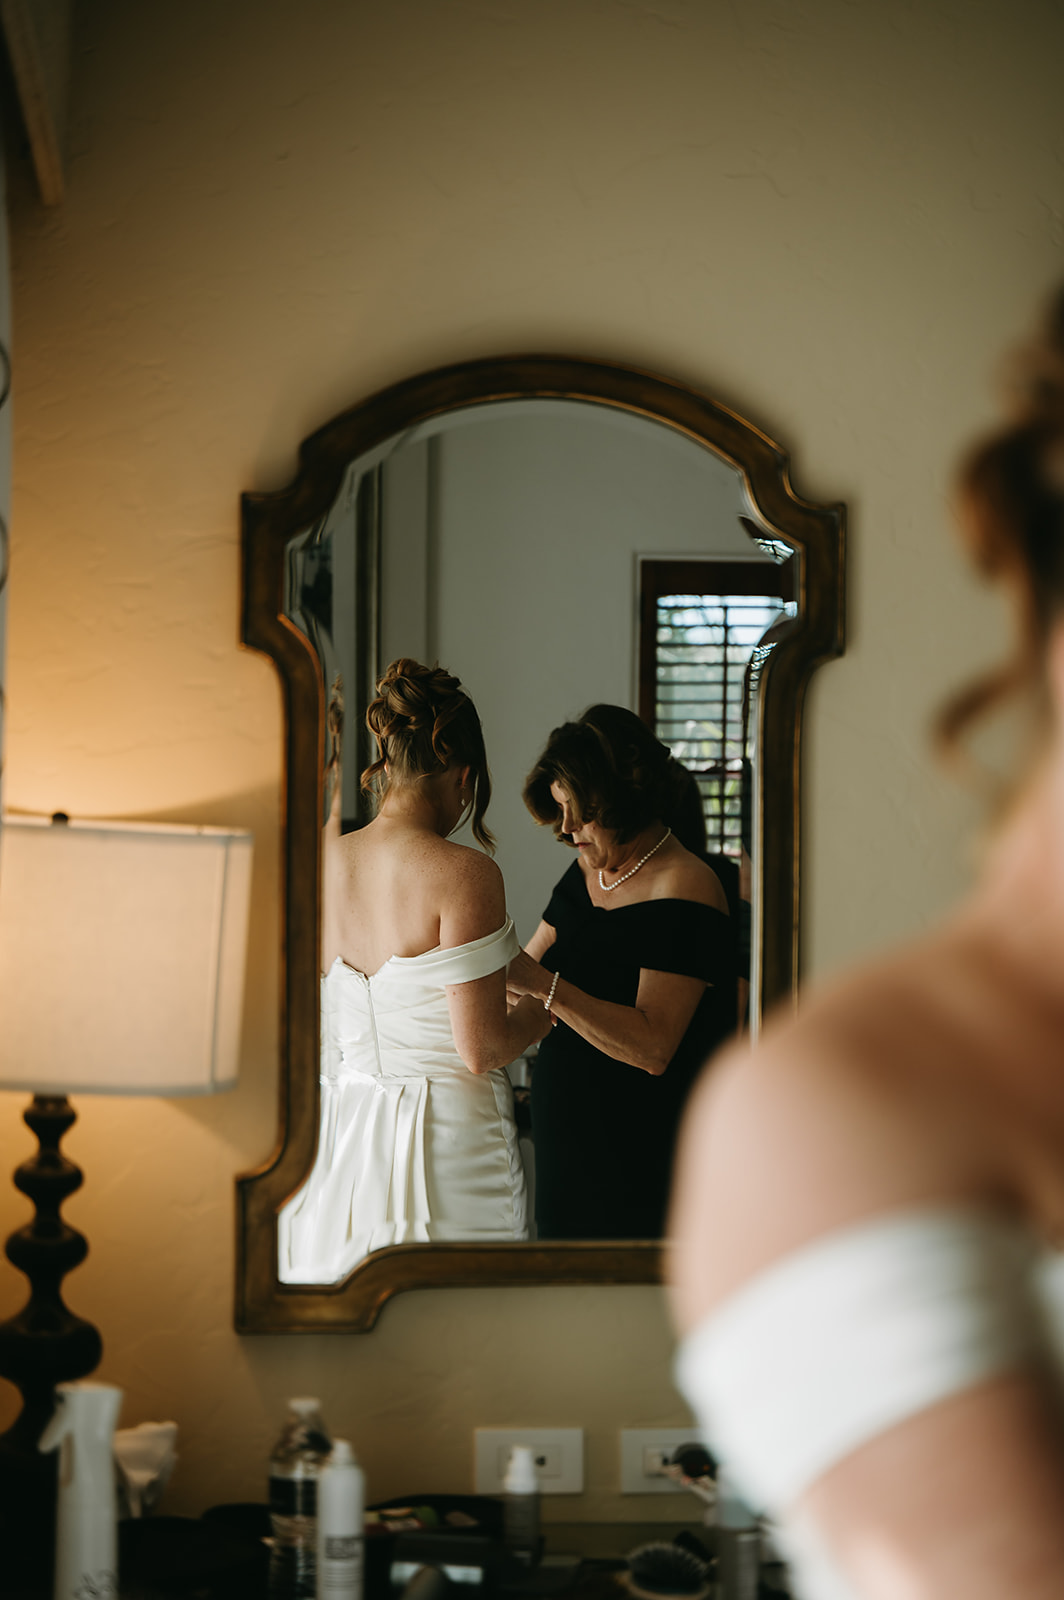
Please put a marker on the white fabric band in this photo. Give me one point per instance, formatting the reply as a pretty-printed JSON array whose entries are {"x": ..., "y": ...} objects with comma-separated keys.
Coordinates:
[
  {"x": 854, "y": 1333},
  {"x": 462, "y": 963}
]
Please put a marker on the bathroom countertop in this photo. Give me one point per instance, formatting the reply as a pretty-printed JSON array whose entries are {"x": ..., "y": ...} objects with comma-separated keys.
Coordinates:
[
  {"x": 599, "y": 1546},
  {"x": 600, "y": 1540},
  {"x": 580, "y": 1561}
]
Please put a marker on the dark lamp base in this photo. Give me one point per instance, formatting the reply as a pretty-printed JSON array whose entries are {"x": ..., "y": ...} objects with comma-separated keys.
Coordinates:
[{"x": 41, "y": 1345}]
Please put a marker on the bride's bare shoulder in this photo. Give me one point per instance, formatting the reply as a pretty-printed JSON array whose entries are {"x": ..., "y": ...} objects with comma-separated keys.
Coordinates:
[
  {"x": 469, "y": 865},
  {"x": 470, "y": 891}
]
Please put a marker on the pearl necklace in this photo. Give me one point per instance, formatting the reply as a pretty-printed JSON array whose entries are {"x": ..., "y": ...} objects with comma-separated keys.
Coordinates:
[{"x": 608, "y": 888}]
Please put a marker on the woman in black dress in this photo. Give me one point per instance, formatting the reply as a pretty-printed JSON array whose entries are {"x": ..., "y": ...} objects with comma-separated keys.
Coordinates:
[{"x": 635, "y": 960}]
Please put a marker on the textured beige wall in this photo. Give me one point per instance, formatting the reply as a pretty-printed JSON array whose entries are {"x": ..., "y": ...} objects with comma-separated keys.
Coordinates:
[{"x": 831, "y": 215}]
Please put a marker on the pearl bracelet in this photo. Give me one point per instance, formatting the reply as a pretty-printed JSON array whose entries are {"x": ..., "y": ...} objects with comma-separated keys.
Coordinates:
[{"x": 550, "y": 997}]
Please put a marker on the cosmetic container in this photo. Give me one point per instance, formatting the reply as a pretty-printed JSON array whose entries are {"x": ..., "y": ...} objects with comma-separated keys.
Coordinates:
[
  {"x": 341, "y": 1498},
  {"x": 520, "y": 1508}
]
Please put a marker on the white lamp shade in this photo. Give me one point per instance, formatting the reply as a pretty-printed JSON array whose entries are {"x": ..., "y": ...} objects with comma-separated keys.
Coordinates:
[{"x": 122, "y": 952}]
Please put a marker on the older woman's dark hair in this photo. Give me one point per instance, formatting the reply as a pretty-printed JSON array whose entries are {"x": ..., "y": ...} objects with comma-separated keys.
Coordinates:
[
  {"x": 424, "y": 722},
  {"x": 614, "y": 770}
]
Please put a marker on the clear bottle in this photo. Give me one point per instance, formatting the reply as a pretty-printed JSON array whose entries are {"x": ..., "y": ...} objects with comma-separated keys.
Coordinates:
[
  {"x": 340, "y": 1533},
  {"x": 295, "y": 1465}
]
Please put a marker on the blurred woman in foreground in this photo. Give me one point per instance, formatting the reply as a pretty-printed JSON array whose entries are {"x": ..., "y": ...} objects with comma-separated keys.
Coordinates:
[{"x": 868, "y": 1205}]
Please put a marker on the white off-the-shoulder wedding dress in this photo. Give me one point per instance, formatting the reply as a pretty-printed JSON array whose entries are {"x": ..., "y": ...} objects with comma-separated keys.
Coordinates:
[
  {"x": 856, "y": 1332},
  {"x": 412, "y": 1146}
]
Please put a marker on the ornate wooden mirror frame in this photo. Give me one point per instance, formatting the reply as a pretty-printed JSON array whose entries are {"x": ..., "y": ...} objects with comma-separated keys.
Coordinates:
[{"x": 817, "y": 533}]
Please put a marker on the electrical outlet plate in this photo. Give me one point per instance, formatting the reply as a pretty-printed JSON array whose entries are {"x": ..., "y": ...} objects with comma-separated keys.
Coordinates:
[
  {"x": 643, "y": 1453},
  {"x": 558, "y": 1454}
]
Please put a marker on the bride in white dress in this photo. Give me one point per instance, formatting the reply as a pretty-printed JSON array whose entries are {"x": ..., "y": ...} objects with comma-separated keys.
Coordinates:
[
  {"x": 417, "y": 1140},
  {"x": 869, "y": 1204}
]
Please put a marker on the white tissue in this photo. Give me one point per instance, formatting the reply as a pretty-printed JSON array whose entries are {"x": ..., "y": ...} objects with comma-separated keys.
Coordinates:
[{"x": 145, "y": 1457}]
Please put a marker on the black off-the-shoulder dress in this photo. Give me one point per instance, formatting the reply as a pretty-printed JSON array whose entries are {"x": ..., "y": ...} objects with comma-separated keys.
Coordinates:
[{"x": 604, "y": 1131}]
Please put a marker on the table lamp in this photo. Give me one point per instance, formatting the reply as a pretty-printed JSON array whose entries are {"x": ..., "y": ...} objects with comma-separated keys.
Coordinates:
[{"x": 122, "y": 950}]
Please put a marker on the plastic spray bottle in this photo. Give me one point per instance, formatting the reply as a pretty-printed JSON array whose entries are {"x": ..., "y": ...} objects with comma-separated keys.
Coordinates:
[{"x": 86, "y": 1541}]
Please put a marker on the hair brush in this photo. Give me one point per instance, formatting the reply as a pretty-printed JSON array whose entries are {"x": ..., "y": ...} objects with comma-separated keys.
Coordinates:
[{"x": 666, "y": 1572}]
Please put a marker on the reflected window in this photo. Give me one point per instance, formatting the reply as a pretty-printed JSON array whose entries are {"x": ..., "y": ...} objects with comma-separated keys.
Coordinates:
[{"x": 706, "y": 631}]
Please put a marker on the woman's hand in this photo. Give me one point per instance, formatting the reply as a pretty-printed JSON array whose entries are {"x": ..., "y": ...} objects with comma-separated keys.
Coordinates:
[
  {"x": 533, "y": 1017},
  {"x": 526, "y": 977},
  {"x": 646, "y": 1035}
]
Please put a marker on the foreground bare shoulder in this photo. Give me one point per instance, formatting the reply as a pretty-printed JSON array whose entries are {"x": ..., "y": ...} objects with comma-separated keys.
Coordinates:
[{"x": 845, "y": 1111}]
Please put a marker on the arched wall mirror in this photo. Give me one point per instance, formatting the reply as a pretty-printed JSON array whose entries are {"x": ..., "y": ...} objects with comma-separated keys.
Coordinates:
[{"x": 556, "y": 532}]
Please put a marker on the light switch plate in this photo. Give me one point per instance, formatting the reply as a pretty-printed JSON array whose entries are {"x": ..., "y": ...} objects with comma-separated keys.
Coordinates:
[
  {"x": 643, "y": 1451},
  {"x": 557, "y": 1452}
]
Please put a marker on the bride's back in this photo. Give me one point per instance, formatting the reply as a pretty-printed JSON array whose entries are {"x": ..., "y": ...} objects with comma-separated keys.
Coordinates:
[
  {"x": 385, "y": 889},
  {"x": 399, "y": 886}
]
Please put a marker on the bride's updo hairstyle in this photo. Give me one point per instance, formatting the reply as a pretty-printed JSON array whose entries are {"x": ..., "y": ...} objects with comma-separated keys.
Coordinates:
[
  {"x": 424, "y": 722},
  {"x": 1012, "y": 516},
  {"x": 615, "y": 771}
]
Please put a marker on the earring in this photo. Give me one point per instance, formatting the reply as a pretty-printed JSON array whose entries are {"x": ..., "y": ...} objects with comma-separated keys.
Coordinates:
[{"x": 461, "y": 814}]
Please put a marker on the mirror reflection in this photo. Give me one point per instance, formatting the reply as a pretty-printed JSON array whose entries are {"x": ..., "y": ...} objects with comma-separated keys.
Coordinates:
[{"x": 555, "y": 554}]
